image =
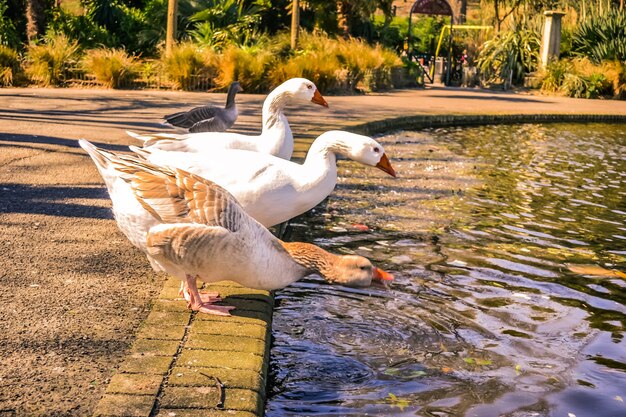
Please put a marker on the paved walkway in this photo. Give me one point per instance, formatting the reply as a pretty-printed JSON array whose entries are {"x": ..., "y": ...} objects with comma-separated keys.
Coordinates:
[{"x": 84, "y": 328}]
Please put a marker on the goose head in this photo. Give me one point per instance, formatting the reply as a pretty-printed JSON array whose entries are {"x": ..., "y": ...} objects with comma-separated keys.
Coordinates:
[
  {"x": 359, "y": 148},
  {"x": 235, "y": 87},
  {"x": 354, "y": 271},
  {"x": 348, "y": 270},
  {"x": 303, "y": 89}
]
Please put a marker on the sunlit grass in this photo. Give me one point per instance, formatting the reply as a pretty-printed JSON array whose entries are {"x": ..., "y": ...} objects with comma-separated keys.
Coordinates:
[
  {"x": 186, "y": 63},
  {"x": 110, "y": 67},
  {"x": 248, "y": 66},
  {"x": 9, "y": 65},
  {"x": 48, "y": 62},
  {"x": 581, "y": 78}
]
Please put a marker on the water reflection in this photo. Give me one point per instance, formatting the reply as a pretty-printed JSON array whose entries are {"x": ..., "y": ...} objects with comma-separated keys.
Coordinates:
[{"x": 508, "y": 246}]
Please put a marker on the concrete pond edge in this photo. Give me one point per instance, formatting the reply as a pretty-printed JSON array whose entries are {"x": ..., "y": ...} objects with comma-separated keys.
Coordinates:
[
  {"x": 183, "y": 364},
  {"x": 423, "y": 121}
]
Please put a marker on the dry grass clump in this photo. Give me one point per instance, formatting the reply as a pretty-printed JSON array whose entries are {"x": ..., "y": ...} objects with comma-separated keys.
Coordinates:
[
  {"x": 9, "y": 65},
  {"x": 318, "y": 66},
  {"x": 110, "y": 67},
  {"x": 187, "y": 63},
  {"x": 337, "y": 64},
  {"x": 249, "y": 66},
  {"x": 49, "y": 63},
  {"x": 581, "y": 78},
  {"x": 615, "y": 72}
]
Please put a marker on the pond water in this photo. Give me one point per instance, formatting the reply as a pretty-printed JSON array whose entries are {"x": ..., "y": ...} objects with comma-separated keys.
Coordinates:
[{"x": 508, "y": 246}]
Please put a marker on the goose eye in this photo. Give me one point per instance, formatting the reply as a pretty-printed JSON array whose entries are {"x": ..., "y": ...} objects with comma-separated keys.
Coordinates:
[
  {"x": 309, "y": 86},
  {"x": 364, "y": 268},
  {"x": 376, "y": 150}
]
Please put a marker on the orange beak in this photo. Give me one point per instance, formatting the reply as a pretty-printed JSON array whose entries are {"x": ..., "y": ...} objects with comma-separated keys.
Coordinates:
[
  {"x": 380, "y": 275},
  {"x": 385, "y": 165},
  {"x": 318, "y": 99}
]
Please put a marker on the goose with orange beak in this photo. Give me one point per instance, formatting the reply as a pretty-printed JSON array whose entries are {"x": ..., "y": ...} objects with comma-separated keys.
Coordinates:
[
  {"x": 271, "y": 189},
  {"x": 193, "y": 229},
  {"x": 276, "y": 138}
]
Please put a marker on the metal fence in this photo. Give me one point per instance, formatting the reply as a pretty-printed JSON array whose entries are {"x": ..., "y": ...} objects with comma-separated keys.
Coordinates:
[{"x": 79, "y": 78}]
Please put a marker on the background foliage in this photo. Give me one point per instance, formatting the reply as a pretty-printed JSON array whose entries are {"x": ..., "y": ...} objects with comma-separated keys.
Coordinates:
[{"x": 345, "y": 46}]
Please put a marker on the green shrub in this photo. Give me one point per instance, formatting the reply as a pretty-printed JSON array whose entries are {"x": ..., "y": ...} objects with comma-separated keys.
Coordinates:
[
  {"x": 509, "y": 55},
  {"x": 79, "y": 27},
  {"x": 49, "y": 63},
  {"x": 9, "y": 65},
  {"x": 227, "y": 22},
  {"x": 110, "y": 67},
  {"x": 602, "y": 37},
  {"x": 597, "y": 86},
  {"x": 554, "y": 74},
  {"x": 581, "y": 78},
  {"x": 186, "y": 63},
  {"x": 8, "y": 31}
]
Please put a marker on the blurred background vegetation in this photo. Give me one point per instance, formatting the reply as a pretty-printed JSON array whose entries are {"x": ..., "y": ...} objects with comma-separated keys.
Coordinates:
[{"x": 345, "y": 46}]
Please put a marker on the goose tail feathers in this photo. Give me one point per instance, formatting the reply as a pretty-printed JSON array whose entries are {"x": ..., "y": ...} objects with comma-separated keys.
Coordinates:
[{"x": 100, "y": 157}]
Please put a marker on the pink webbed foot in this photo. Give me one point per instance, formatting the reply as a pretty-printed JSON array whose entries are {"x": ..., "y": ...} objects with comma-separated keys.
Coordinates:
[
  {"x": 215, "y": 310},
  {"x": 205, "y": 296},
  {"x": 203, "y": 303}
]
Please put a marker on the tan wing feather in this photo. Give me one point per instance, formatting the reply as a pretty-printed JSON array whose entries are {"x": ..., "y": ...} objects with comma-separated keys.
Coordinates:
[{"x": 177, "y": 196}]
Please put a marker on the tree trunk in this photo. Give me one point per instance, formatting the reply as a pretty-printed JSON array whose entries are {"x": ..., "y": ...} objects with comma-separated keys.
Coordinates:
[
  {"x": 170, "y": 36},
  {"x": 343, "y": 11},
  {"x": 496, "y": 8},
  {"x": 35, "y": 19},
  {"x": 295, "y": 23},
  {"x": 460, "y": 12}
]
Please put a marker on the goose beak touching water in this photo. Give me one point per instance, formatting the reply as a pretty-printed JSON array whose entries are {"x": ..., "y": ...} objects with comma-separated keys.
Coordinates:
[
  {"x": 192, "y": 228},
  {"x": 380, "y": 275}
]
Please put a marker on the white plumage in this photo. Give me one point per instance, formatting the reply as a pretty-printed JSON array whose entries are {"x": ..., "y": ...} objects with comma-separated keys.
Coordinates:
[
  {"x": 192, "y": 228},
  {"x": 270, "y": 189},
  {"x": 275, "y": 139}
]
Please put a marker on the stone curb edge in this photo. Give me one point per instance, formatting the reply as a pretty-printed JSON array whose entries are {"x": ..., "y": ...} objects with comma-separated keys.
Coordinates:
[{"x": 437, "y": 120}]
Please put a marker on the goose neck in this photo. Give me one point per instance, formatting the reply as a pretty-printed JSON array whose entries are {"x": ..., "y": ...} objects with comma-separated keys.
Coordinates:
[
  {"x": 326, "y": 147},
  {"x": 230, "y": 97},
  {"x": 310, "y": 257},
  {"x": 273, "y": 108}
]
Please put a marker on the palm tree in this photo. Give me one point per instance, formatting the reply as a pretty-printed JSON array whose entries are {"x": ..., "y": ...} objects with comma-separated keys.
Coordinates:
[
  {"x": 295, "y": 23},
  {"x": 170, "y": 37}
]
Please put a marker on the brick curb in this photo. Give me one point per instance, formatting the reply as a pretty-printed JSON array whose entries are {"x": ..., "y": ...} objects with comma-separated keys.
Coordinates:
[{"x": 183, "y": 364}]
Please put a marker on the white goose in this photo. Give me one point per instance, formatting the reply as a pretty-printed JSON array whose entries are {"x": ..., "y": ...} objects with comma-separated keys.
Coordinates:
[
  {"x": 275, "y": 139},
  {"x": 270, "y": 189},
  {"x": 198, "y": 230}
]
